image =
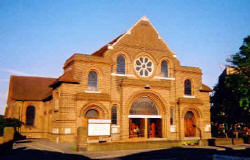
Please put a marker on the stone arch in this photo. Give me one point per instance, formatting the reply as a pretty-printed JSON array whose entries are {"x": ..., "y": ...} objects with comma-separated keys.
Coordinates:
[
  {"x": 195, "y": 110},
  {"x": 197, "y": 116},
  {"x": 144, "y": 106},
  {"x": 151, "y": 95},
  {"x": 170, "y": 66},
  {"x": 103, "y": 112},
  {"x": 127, "y": 61},
  {"x": 150, "y": 124},
  {"x": 99, "y": 74}
]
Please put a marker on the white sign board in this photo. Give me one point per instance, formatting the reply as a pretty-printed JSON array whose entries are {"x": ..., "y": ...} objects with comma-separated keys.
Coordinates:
[
  {"x": 99, "y": 127},
  {"x": 115, "y": 129},
  {"x": 208, "y": 128},
  {"x": 173, "y": 128}
]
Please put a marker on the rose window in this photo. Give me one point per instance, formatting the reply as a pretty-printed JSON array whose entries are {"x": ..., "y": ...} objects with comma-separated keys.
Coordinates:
[{"x": 144, "y": 66}]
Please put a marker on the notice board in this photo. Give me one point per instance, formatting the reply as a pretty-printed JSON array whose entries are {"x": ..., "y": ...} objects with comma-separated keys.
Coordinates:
[{"x": 99, "y": 127}]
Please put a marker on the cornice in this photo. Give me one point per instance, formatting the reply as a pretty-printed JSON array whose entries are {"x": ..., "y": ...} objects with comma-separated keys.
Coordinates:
[
  {"x": 143, "y": 83},
  {"x": 183, "y": 100}
]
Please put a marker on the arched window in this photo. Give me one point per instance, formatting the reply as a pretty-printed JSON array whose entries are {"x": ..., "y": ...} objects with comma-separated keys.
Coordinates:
[
  {"x": 30, "y": 115},
  {"x": 144, "y": 106},
  {"x": 120, "y": 67},
  {"x": 92, "y": 81},
  {"x": 92, "y": 113},
  {"x": 114, "y": 115},
  {"x": 164, "y": 68},
  {"x": 187, "y": 87}
]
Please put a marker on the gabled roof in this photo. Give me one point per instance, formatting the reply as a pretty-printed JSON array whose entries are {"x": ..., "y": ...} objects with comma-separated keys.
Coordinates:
[
  {"x": 29, "y": 88},
  {"x": 67, "y": 77},
  {"x": 142, "y": 21},
  {"x": 205, "y": 88},
  {"x": 103, "y": 49}
]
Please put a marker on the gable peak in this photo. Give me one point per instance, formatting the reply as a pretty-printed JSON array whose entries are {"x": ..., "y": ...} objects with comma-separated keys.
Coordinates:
[{"x": 144, "y": 18}]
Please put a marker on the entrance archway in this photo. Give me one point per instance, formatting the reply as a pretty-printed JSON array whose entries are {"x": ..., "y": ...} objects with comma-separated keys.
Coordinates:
[
  {"x": 144, "y": 119},
  {"x": 91, "y": 111},
  {"x": 189, "y": 124}
]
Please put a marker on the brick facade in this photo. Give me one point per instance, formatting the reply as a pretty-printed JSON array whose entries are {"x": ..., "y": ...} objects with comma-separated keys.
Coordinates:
[{"x": 60, "y": 113}]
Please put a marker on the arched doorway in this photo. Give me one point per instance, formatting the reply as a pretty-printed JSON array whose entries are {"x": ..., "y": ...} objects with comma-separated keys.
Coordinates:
[
  {"x": 189, "y": 124},
  {"x": 90, "y": 114},
  {"x": 144, "y": 119}
]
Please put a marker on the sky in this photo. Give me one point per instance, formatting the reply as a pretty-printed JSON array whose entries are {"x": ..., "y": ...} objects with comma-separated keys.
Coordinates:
[{"x": 36, "y": 37}]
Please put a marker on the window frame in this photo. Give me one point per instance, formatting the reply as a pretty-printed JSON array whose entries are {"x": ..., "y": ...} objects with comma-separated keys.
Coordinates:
[
  {"x": 171, "y": 116},
  {"x": 164, "y": 73},
  {"x": 114, "y": 115},
  {"x": 188, "y": 87},
  {"x": 121, "y": 68},
  {"x": 30, "y": 117},
  {"x": 93, "y": 84}
]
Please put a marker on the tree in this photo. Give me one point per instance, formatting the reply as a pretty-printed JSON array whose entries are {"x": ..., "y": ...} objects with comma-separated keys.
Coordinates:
[
  {"x": 230, "y": 99},
  {"x": 239, "y": 81}
]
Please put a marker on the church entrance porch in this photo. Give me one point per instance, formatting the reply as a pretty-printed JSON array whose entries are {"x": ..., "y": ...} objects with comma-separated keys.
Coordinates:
[
  {"x": 145, "y": 128},
  {"x": 144, "y": 119}
]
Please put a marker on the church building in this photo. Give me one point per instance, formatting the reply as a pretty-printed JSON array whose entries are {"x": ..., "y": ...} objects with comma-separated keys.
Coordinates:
[{"x": 133, "y": 88}]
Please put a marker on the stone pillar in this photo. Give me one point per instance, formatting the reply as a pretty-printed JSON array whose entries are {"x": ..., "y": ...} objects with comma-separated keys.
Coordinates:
[
  {"x": 81, "y": 143},
  {"x": 146, "y": 128}
]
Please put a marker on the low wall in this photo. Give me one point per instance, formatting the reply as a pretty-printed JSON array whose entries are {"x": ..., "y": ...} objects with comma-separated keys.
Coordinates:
[
  {"x": 225, "y": 141},
  {"x": 6, "y": 142},
  {"x": 158, "y": 144},
  {"x": 132, "y": 145}
]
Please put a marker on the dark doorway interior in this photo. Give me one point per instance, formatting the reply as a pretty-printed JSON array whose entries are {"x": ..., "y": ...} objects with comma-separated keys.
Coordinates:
[
  {"x": 136, "y": 127},
  {"x": 154, "y": 128}
]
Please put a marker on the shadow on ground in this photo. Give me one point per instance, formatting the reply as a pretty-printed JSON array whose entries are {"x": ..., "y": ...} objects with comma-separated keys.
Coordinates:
[
  {"x": 31, "y": 154},
  {"x": 179, "y": 153}
]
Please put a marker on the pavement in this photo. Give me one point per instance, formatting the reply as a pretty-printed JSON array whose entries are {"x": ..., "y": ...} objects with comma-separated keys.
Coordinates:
[{"x": 40, "y": 149}]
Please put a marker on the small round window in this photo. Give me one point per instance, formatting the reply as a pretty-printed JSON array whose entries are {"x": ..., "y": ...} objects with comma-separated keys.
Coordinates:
[{"x": 144, "y": 66}]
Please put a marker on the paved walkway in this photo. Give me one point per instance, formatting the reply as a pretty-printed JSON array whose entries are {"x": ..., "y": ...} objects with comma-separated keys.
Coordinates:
[{"x": 45, "y": 149}]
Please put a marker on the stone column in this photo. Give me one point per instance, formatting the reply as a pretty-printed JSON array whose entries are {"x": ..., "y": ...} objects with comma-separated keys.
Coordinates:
[
  {"x": 81, "y": 143},
  {"x": 146, "y": 128}
]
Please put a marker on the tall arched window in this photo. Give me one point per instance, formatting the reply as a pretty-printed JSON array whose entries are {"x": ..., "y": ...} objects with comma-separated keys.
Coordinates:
[
  {"x": 120, "y": 67},
  {"x": 92, "y": 81},
  {"x": 164, "y": 68},
  {"x": 187, "y": 87},
  {"x": 30, "y": 115},
  {"x": 114, "y": 115}
]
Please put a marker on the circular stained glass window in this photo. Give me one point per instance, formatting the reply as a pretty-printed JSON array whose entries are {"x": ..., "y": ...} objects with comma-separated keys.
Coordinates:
[{"x": 144, "y": 67}]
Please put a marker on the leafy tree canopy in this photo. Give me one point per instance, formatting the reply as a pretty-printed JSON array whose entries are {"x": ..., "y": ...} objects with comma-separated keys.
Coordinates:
[
  {"x": 230, "y": 99},
  {"x": 239, "y": 81}
]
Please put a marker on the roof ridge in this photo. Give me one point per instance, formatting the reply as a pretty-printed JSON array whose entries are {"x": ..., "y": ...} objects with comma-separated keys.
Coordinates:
[{"x": 32, "y": 76}]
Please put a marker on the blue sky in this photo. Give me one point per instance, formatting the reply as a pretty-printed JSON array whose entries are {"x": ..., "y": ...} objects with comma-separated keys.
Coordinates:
[{"x": 36, "y": 37}]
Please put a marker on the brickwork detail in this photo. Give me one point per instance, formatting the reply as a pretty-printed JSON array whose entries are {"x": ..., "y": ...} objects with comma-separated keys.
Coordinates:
[{"x": 59, "y": 116}]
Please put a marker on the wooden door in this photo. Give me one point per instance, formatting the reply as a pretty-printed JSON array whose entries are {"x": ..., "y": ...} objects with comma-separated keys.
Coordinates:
[{"x": 189, "y": 124}]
